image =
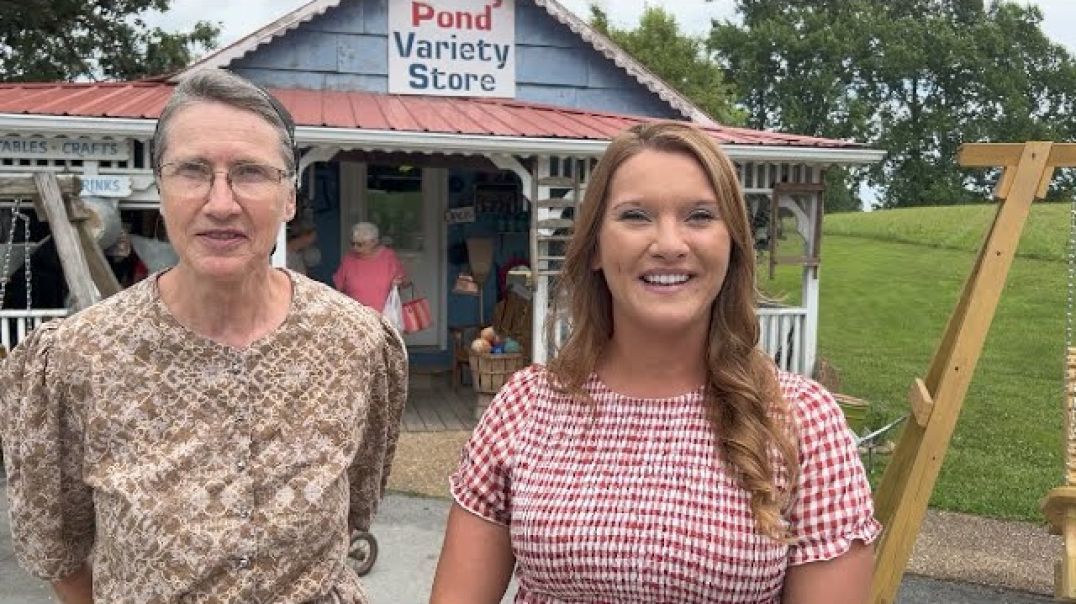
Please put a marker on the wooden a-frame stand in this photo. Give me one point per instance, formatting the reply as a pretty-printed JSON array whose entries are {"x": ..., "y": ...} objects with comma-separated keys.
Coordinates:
[
  {"x": 56, "y": 201},
  {"x": 902, "y": 496}
]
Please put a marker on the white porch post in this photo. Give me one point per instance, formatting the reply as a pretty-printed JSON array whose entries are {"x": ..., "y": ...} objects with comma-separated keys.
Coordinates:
[
  {"x": 540, "y": 299},
  {"x": 540, "y": 302},
  {"x": 810, "y": 324},
  {"x": 548, "y": 202},
  {"x": 280, "y": 253}
]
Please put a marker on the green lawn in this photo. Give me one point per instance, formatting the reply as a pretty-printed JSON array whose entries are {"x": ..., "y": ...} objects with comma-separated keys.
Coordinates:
[
  {"x": 956, "y": 227},
  {"x": 884, "y": 304}
]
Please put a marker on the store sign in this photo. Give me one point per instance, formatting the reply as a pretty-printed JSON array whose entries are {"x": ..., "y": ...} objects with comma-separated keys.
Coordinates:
[
  {"x": 106, "y": 186},
  {"x": 460, "y": 215},
  {"x": 33, "y": 147},
  {"x": 452, "y": 47}
]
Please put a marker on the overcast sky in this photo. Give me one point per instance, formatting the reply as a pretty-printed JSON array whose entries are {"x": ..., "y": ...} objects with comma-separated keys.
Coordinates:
[{"x": 240, "y": 18}]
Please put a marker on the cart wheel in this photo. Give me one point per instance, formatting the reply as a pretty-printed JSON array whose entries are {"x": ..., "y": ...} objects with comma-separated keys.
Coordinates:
[{"x": 363, "y": 552}]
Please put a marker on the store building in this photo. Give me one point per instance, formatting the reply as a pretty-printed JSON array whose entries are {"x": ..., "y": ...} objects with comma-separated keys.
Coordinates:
[{"x": 438, "y": 124}]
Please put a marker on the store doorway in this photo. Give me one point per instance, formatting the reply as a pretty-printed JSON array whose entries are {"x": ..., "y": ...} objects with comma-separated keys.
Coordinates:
[{"x": 407, "y": 203}]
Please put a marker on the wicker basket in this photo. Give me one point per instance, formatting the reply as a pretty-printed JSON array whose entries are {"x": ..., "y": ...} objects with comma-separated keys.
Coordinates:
[
  {"x": 855, "y": 411},
  {"x": 490, "y": 371},
  {"x": 481, "y": 404}
]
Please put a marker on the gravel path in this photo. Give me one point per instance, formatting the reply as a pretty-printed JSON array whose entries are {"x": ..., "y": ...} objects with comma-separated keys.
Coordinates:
[
  {"x": 424, "y": 460},
  {"x": 1018, "y": 555}
]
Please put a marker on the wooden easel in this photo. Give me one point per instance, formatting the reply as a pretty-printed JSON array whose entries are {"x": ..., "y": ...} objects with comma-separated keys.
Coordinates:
[
  {"x": 902, "y": 497},
  {"x": 88, "y": 275}
]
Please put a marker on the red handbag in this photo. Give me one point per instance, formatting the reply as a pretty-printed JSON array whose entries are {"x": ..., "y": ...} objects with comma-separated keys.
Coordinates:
[{"x": 416, "y": 313}]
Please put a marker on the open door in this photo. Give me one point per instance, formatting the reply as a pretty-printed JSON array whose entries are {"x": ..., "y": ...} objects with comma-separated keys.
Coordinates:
[{"x": 406, "y": 203}]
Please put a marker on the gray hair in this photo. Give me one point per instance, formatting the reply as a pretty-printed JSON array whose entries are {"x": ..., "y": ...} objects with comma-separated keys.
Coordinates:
[
  {"x": 365, "y": 231},
  {"x": 219, "y": 86}
]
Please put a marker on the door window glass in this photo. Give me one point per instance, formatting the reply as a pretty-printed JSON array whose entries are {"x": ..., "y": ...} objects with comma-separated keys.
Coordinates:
[{"x": 394, "y": 204}]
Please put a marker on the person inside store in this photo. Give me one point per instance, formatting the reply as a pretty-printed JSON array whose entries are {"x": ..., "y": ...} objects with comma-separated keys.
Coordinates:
[
  {"x": 660, "y": 456},
  {"x": 370, "y": 269},
  {"x": 214, "y": 432},
  {"x": 303, "y": 253}
]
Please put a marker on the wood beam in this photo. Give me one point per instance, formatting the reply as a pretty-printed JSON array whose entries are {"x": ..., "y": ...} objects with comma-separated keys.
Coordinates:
[
  {"x": 922, "y": 404},
  {"x": 12, "y": 187},
  {"x": 68, "y": 244},
  {"x": 1007, "y": 155},
  {"x": 100, "y": 270}
]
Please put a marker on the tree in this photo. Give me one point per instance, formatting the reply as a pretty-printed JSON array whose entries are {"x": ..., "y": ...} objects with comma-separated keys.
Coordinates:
[
  {"x": 916, "y": 78},
  {"x": 52, "y": 40},
  {"x": 675, "y": 57}
]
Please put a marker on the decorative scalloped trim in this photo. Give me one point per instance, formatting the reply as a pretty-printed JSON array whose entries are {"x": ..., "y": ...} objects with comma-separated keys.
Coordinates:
[
  {"x": 623, "y": 60},
  {"x": 265, "y": 34}
]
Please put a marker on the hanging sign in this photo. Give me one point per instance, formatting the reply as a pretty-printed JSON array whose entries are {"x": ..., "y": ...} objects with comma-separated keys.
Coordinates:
[
  {"x": 460, "y": 215},
  {"x": 452, "y": 47},
  {"x": 35, "y": 147},
  {"x": 105, "y": 186}
]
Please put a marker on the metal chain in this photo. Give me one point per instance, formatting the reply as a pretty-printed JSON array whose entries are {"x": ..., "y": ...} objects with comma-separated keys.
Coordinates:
[
  {"x": 1066, "y": 387},
  {"x": 10, "y": 247},
  {"x": 1071, "y": 276},
  {"x": 26, "y": 251}
]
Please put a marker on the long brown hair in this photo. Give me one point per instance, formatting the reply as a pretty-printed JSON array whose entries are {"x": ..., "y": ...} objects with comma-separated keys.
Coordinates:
[{"x": 752, "y": 426}]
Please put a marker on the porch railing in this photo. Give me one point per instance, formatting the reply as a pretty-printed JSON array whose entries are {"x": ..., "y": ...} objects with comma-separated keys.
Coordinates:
[
  {"x": 782, "y": 336},
  {"x": 782, "y": 331},
  {"x": 15, "y": 324}
]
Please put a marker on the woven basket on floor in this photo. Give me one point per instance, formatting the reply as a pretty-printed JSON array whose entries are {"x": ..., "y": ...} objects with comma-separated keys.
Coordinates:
[
  {"x": 855, "y": 411},
  {"x": 490, "y": 371}
]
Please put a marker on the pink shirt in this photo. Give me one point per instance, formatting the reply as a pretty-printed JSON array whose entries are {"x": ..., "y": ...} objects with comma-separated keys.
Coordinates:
[
  {"x": 624, "y": 500},
  {"x": 369, "y": 280}
]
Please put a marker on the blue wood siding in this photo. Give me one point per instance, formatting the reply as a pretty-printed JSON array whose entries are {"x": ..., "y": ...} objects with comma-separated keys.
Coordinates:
[{"x": 347, "y": 49}]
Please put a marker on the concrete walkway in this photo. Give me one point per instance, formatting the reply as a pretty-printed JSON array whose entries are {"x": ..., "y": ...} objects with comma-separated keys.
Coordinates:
[{"x": 409, "y": 531}]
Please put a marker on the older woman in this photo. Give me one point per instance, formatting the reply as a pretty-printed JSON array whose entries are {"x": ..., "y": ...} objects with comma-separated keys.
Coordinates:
[
  {"x": 661, "y": 457},
  {"x": 370, "y": 270},
  {"x": 210, "y": 433}
]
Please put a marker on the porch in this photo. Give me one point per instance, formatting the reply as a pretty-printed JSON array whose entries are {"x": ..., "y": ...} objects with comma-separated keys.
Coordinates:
[{"x": 435, "y": 406}]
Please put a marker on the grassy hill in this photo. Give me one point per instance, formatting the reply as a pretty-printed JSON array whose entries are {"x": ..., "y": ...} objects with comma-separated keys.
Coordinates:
[
  {"x": 890, "y": 280},
  {"x": 957, "y": 227}
]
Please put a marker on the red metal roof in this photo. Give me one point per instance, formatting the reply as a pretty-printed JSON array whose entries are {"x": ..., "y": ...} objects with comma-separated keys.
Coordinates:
[{"x": 373, "y": 111}]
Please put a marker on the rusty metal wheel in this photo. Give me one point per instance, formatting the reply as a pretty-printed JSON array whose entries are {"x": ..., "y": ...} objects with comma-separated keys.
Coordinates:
[{"x": 363, "y": 552}]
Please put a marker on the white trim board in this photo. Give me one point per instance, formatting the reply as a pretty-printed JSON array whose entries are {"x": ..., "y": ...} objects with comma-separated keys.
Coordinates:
[{"x": 432, "y": 142}]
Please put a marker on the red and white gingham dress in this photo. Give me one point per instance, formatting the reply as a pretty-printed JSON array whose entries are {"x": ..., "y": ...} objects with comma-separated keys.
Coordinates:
[{"x": 624, "y": 501}]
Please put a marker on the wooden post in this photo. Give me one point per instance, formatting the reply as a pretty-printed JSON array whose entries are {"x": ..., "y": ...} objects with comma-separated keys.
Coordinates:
[
  {"x": 100, "y": 271},
  {"x": 1070, "y": 417},
  {"x": 904, "y": 492},
  {"x": 22, "y": 187},
  {"x": 68, "y": 243},
  {"x": 71, "y": 211}
]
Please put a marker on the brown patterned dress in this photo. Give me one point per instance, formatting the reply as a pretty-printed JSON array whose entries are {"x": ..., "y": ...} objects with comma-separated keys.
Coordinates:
[{"x": 189, "y": 471}]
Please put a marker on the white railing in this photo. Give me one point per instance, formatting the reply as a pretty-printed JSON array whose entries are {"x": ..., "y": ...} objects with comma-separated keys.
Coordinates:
[
  {"x": 782, "y": 336},
  {"x": 15, "y": 324}
]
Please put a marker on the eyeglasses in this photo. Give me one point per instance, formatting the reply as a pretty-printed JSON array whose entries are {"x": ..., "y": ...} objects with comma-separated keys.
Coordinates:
[{"x": 195, "y": 179}]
